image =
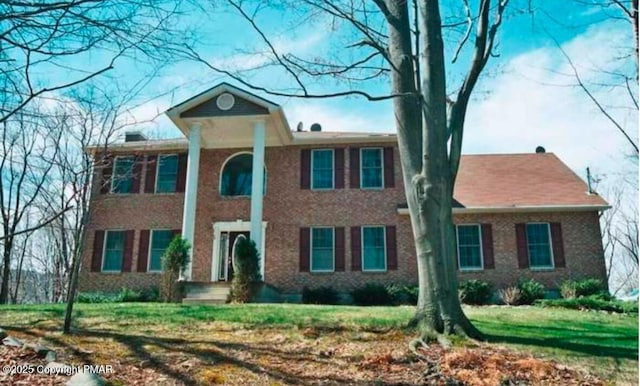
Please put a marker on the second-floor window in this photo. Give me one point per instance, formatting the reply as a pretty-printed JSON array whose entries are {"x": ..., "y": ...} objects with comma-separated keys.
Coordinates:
[
  {"x": 167, "y": 173},
  {"x": 371, "y": 168},
  {"x": 322, "y": 169},
  {"x": 122, "y": 180}
]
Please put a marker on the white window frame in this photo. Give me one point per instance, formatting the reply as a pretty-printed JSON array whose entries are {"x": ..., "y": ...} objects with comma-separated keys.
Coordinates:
[
  {"x": 224, "y": 164},
  {"x": 113, "y": 172},
  {"x": 155, "y": 188},
  {"x": 151, "y": 248},
  {"x": 470, "y": 269},
  {"x": 381, "y": 151},
  {"x": 333, "y": 250},
  {"x": 104, "y": 251},
  {"x": 551, "y": 257},
  {"x": 333, "y": 169},
  {"x": 384, "y": 238}
]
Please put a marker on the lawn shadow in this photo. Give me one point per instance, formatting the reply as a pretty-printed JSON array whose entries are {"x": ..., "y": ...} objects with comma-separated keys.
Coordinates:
[
  {"x": 209, "y": 353},
  {"x": 568, "y": 341}
]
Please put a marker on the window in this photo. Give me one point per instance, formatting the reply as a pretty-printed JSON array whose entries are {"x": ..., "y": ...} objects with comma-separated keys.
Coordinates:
[
  {"x": 373, "y": 249},
  {"x": 322, "y": 242},
  {"x": 113, "y": 251},
  {"x": 469, "y": 247},
  {"x": 167, "y": 173},
  {"x": 322, "y": 169},
  {"x": 160, "y": 240},
  {"x": 371, "y": 168},
  {"x": 237, "y": 176},
  {"x": 539, "y": 245},
  {"x": 122, "y": 175}
]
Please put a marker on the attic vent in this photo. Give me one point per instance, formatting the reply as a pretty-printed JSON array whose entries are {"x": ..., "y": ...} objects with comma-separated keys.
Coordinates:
[
  {"x": 225, "y": 101},
  {"x": 316, "y": 127},
  {"x": 540, "y": 149}
]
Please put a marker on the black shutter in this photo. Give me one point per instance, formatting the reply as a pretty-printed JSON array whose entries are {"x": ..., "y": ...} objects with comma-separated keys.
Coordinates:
[
  {"x": 305, "y": 252},
  {"x": 487, "y": 246},
  {"x": 558, "y": 245},
  {"x": 143, "y": 251},
  {"x": 98, "y": 244},
  {"x": 389, "y": 180},
  {"x": 521, "y": 243},
  {"x": 354, "y": 168},
  {"x": 150, "y": 179},
  {"x": 356, "y": 249},
  {"x": 339, "y": 248},
  {"x": 305, "y": 169},
  {"x": 338, "y": 163},
  {"x": 392, "y": 251}
]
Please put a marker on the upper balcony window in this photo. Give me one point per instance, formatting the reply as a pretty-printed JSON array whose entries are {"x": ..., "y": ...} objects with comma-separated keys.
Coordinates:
[{"x": 237, "y": 176}]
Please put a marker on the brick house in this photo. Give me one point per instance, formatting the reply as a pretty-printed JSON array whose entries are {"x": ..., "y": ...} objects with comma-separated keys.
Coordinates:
[{"x": 332, "y": 212}]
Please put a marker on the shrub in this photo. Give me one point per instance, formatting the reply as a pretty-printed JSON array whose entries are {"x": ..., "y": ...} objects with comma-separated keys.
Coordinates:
[
  {"x": 372, "y": 295},
  {"x": 571, "y": 289},
  {"x": 174, "y": 260},
  {"x": 97, "y": 297},
  {"x": 320, "y": 295},
  {"x": 592, "y": 302},
  {"x": 475, "y": 292},
  {"x": 510, "y": 296},
  {"x": 129, "y": 295},
  {"x": 246, "y": 271},
  {"x": 588, "y": 287},
  {"x": 403, "y": 294},
  {"x": 530, "y": 291},
  {"x": 568, "y": 289}
]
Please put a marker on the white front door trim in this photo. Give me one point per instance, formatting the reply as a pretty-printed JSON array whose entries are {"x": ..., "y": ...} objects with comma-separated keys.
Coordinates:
[{"x": 234, "y": 226}]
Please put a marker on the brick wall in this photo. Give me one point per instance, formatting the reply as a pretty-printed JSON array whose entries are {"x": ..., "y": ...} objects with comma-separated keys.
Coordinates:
[{"x": 287, "y": 208}]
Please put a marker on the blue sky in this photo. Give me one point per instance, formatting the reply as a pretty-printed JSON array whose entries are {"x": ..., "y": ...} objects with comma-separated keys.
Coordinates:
[{"x": 527, "y": 96}]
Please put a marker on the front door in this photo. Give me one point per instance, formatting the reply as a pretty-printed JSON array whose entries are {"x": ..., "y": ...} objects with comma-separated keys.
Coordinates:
[{"x": 225, "y": 254}]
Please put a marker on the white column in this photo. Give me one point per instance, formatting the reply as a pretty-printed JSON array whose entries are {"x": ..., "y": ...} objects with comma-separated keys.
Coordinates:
[
  {"x": 257, "y": 186},
  {"x": 191, "y": 194}
]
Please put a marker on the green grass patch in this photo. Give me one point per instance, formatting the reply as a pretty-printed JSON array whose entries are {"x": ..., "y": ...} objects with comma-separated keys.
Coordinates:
[{"x": 603, "y": 342}]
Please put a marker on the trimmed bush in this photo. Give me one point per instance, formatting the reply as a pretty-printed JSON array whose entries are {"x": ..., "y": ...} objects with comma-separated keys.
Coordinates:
[
  {"x": 246, "y": 271},
  {"x": 510, "y": 296},
  {"x": 98, "y": 297},
  {"x": 405, "y": 295},
  {"x": 174, "y": 260},
  {"x": 476, "y": 292},
  {"x": 530, "y": 291},
  {"x": 571, "y": 289},
  {"x": 372, "y": 295},
  {"x": 125, "y": 295},
  {"x": 592, "y": 302},
  {"x": 320, "y": 295}
]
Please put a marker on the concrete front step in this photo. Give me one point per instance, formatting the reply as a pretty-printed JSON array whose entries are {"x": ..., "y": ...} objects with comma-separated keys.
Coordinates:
[{"x": 206, "y": 293}]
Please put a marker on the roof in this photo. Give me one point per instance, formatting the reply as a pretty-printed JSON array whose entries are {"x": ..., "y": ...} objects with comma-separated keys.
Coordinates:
[{"x": 520, "y": 181}]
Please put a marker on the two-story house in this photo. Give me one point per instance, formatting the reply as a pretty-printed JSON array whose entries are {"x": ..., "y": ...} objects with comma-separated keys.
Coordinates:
[{"x": 325, "y": 208}]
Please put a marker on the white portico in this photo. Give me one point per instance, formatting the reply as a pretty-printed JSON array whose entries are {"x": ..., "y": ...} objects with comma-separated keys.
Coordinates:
[{"x": 227, "y": 117}]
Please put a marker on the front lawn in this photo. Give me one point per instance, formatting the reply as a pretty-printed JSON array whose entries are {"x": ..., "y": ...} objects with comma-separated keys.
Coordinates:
[{"x": 148, "y": 334}]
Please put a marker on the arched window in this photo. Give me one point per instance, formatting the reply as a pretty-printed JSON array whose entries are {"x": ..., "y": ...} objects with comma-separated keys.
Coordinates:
[{"x": 237, "y": 175}]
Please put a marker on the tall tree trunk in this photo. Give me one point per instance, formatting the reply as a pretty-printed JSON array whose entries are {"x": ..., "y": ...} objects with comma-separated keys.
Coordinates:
[
  {"x": 421, "y": 123},
  {"x": 6, "y": 271}
]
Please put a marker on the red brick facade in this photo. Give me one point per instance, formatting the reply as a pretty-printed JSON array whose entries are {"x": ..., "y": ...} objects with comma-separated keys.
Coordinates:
[{"x": 287, "y": 208}]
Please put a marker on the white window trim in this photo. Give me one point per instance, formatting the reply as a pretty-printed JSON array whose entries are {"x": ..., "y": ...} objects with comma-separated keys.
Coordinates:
[
  {"x": 149, "y": 251},
  {"x": 113, "y": 172},
  {"x": 104, "y": 252},
  {"x": 333, "y": 170},
  {"x": 384, "y": 238},
  {"x": 551, "y": 256},
  {"x": 224, "y": 164},
  {"x": 470, "y": 269},
  {"x": 333, "y": 250},
  {"x": 381, "y": 150},
  {"x": 155, "y": 188}
]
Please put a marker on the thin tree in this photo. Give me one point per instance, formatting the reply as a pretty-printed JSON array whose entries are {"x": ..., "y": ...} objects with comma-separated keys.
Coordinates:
[{"x": 403, "y": 41}]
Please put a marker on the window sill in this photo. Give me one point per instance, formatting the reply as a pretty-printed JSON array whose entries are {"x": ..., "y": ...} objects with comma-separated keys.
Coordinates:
[
  {"x": 321, "y": 272},
  {"x": 471, "y": 270},
  {"x": 372, "y": 189},
  {"x": 542, "y": 269},
  {"x": 111, "y": 272},
  {"x": 323, "y": 189},
  {"x": 374, "y": 271}
]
